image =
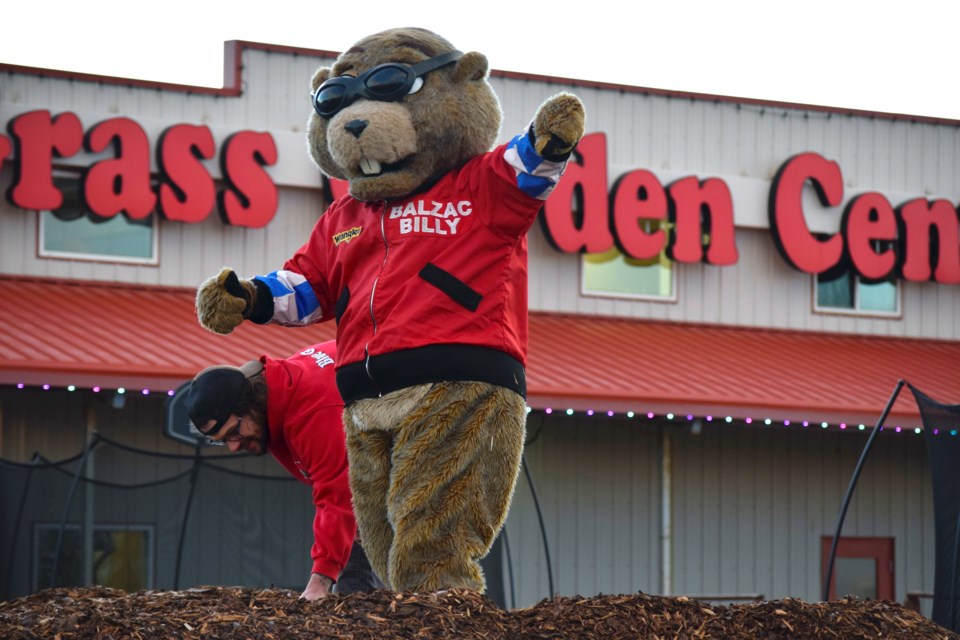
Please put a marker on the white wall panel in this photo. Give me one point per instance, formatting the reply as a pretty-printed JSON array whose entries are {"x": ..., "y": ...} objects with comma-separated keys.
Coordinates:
[
  {"x": 744, "y": 144},
  {"x": 759, "y": 291}
]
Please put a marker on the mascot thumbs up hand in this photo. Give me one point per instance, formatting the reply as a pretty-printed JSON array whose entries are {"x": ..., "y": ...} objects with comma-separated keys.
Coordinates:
[
  {"x": 558, "y": 126},
  {"x": 224, "y": 301}
]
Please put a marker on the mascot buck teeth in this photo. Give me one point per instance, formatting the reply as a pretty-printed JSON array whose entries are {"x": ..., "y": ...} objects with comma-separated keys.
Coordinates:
[{"x": 423, "y": 266}]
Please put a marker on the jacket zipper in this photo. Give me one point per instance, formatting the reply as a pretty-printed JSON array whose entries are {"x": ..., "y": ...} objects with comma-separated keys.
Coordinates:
[{"x": 373, "y": 290}]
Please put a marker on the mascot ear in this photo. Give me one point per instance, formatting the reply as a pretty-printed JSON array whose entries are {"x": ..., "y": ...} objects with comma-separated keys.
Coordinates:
[
  {"x": 471, "y": 67},
  {"x": 319, "y": 78}
]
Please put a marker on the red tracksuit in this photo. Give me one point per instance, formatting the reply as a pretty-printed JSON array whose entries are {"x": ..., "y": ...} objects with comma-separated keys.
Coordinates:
[{"x": 304, "y": 417}]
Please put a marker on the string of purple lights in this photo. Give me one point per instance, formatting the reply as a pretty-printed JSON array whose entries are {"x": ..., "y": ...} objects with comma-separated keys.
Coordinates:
[
  {"x": 843, "y": 426},
  {"x": 690, "y": 418}
]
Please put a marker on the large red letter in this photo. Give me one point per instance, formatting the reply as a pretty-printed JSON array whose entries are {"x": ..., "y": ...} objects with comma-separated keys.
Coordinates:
[
  {"x": 929, "y": 232},
  {"x": 867, "y": 219},
  {"x": 791, "y": 235},
  {"x": 638, "y": 196},
  {"x": 697, "y": 208},
  {"x": 187, "y": 193},
  {"x": 583, "y": 230},
  {"x": 335, "y": 188},
  {"x": 38, "y": 137},
  {"x": 252, "y": 199},
  {"x": 4, "y": 148},
  {"x": 121, "y": 184}
]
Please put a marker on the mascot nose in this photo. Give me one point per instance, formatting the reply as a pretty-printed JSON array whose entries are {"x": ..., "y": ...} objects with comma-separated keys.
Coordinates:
[{"x": 356, "y": 127}]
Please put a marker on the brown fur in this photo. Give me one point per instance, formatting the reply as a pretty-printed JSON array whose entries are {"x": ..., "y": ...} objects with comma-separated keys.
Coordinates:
[
  {"x": 433, "y": 479},
  {"x": 219, "y": 311},
  {"x": 560, "y": 118}
]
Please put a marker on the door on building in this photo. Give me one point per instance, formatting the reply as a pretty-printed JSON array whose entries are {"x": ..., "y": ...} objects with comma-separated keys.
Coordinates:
[{"x": 863, "y": 567}]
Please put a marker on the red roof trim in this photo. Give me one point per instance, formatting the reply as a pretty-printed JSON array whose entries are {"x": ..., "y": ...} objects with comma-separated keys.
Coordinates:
[
  {"x": 233, "y": 84},
  {"x": 63, "y": 332},
  {"x": 624, "y": 364}
]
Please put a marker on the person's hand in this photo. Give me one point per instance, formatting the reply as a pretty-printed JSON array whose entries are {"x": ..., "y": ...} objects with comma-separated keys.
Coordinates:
[{"x": 318, "y": 587}]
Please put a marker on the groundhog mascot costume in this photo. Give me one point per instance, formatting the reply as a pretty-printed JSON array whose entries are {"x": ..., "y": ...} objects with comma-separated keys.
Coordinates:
[{"x": 423, "y": 266}]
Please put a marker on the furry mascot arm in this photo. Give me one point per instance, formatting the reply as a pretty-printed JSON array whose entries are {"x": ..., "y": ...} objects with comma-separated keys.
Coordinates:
[
  {"x": 558, "y": 126},
  {"x": 224, "y": 301}
]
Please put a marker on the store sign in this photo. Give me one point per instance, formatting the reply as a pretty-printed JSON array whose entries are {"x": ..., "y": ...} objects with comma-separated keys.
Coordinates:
[
  {"x": 918, "y": 240},
  {"x": 599, "y": 220},
  {"x": 122, "y": 183}
]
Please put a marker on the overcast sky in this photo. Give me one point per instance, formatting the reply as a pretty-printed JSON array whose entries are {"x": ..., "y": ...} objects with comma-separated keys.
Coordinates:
[{"x": 898, "y": 57}]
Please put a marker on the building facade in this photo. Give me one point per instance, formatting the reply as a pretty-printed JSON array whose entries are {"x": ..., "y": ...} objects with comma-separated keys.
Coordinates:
[{"x": 724, "y": 294}]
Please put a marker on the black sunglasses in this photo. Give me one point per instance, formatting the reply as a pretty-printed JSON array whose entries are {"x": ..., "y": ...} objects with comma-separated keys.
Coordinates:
[
  {"x": 385, "y": 82},
  {"x": 233, "y": 435}
]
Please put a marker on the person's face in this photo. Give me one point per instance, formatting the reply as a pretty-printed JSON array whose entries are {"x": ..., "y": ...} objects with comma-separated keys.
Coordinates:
[{"x": 241, "y": 433}]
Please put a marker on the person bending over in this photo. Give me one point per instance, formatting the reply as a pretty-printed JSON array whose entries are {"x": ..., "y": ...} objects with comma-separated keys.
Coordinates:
[{"x": 291, "y": 408}]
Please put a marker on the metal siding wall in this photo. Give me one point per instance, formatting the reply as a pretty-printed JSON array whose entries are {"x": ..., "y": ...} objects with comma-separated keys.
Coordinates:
[
  {"x": 188, "y": 253},
  {"x": 759, "y": 291},
  {"x": 277, "y": 99},
  {"x": 671, "y": 136},
  {"x": 707, "y": 139},
  {"x": 750, "y": 505},
  {"x": 788, "y": 486},
  {"x": 598, "y": 488},
  {"x": 265, "y": 525}
]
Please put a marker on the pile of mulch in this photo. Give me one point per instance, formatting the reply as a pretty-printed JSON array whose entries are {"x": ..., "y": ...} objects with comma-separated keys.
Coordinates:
[{"x": 277, "y": 614}]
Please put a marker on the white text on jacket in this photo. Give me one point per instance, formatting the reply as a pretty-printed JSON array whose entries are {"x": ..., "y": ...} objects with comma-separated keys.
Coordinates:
[
  {"x": 440, "y": 218},
  {"x": 320, "y": 357}
]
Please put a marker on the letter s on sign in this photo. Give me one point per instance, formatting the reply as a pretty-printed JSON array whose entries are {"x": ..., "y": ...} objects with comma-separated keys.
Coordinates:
[
  {"x": 250, "y": 199},
  {"x": 187, "y": 193}
]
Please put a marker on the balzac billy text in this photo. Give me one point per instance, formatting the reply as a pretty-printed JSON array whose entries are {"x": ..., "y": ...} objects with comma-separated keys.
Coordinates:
[{"x": 431, "y": 218}]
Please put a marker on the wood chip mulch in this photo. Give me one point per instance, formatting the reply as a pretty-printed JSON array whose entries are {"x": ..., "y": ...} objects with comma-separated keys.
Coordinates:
[{"x": 275, "y": 614}]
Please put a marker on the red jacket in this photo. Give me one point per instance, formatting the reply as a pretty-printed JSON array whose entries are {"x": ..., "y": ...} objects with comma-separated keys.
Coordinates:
[
  {"x": 304, "y": 419},
  {"x": 428, "y": 288}
]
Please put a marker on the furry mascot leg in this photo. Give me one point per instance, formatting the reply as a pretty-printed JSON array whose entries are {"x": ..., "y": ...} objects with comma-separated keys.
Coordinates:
[
  {"x": 430, "y": 507},
  {"x": 368, "y": 454}
]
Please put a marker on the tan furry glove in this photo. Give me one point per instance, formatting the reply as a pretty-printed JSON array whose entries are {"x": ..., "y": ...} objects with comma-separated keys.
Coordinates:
[
  {"x": 558, "y": 126},
  {"x": 224, "y": 301}
]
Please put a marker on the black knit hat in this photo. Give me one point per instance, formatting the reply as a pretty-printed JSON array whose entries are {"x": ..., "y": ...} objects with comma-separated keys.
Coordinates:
[{"x": 215, "y": 392}]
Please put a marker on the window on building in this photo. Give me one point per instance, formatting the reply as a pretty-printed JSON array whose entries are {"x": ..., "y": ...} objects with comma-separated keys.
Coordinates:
[
  {"x": 849, "y": 293},
  {"x": 74, "y": 232},
  {"x": 862, "y": 567},
  {"x": 121, "y": 556},
  {"x": 613, "y": 274},
  {"x": 616, "y": 275}
]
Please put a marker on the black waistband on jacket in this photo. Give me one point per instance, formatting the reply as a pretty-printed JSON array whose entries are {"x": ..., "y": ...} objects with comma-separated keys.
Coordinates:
[{"x": 380, "y": 375}]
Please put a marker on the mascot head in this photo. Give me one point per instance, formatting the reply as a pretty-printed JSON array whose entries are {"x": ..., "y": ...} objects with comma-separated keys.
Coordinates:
[{"x": 398, "y": 110}]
